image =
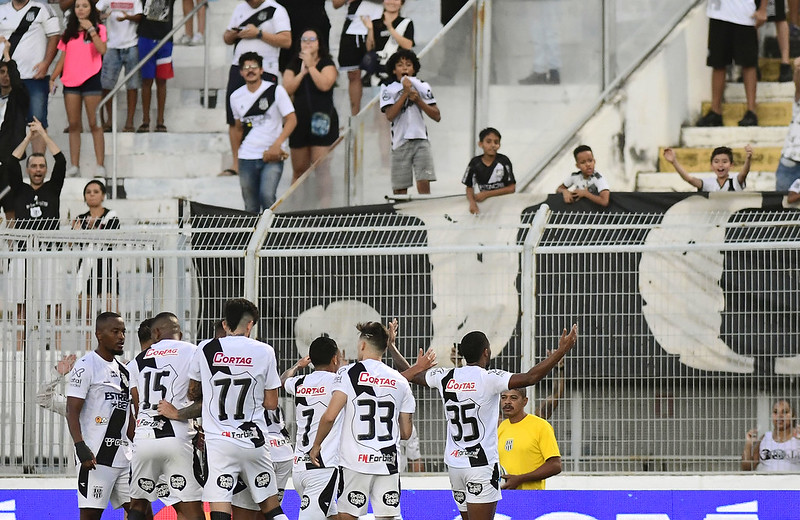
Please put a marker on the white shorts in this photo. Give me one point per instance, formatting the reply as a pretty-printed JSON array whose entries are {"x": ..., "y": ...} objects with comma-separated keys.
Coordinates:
[
  {"x": 317, "y": 489},
  {"x": 101, "y": 485},
  {"x": 171, "y": 457},
  {"x": 228, "y": 462},
  {"x": 241, "y": 496},
  {"x": 383, "y": 492},
  {"x": 480, "y": 485}
]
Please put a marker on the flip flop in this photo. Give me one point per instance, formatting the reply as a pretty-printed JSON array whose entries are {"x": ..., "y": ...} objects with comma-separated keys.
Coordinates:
[
  {"x": 228, "y": 172},
  {"x": 143, "y": 128},
  {"x": 129, "y": 129},
  {"x": 161, "y": 128}
]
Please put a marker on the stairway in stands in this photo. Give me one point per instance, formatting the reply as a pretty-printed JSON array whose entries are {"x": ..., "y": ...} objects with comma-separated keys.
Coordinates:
[{"x": 696, "y": 143}]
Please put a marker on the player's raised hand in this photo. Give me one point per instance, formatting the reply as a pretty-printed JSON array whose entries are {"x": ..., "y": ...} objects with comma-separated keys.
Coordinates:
[
  {"x": 426, "y": 360},
  {"x": 568, "y": 340},
  {"x": 393, "y": 326}
]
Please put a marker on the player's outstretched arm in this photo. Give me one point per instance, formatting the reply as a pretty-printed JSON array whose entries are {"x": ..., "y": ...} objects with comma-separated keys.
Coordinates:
[
  {"x": 536, "y": 373},
  {"x": 292, "y": 370},
  {"x": 548, "y": 405},
  {"x": 338, "y": 400}
]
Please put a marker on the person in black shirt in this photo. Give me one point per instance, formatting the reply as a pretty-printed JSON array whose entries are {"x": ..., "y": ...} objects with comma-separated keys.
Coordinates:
[
  {"x": 36, "y": 205},
  {"x": 491, "y": 172}
]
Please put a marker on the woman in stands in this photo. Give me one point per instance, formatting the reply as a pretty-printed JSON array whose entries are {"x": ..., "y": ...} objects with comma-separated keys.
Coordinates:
[
  {"x": 310, "y": 77},
  {"x": 82, "y": 47},
  {"x": 777, "y": 450}
]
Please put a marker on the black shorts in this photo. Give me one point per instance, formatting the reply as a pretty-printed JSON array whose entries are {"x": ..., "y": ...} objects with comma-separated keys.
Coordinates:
[
  {"x": 729, "y": 42},
  {"x": 90, "y": 87},
  {"x": 352, "y": 49},
  {"x": 235, "y": 80},
  {"x": 776, "y": 10},
  {"x": 302, "y": 136}
]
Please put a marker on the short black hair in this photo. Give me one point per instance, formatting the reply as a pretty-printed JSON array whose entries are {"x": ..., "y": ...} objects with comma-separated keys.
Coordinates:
[
  {"x": 322, "y": 351},
  {"x": 720, "y": 150},
  {"x": 580, "y": 149},
  {"x": 472, "y": 346},
  {"x": 487, "y": 131},
  {"x": 375, "y": 334},
  {"x": 35, "y": 154},
  {"x": 251, "y": 56},
  {"x": 407, "y": 54},
  {"x": 103, "y": 317},
  {"x": 521, "y": 391},
  {"x": 219, "y": 329},
  {"x": 145, "y": 330},
  {"x": 240, "y": 310},
  {"x": 99, "y": 184}
]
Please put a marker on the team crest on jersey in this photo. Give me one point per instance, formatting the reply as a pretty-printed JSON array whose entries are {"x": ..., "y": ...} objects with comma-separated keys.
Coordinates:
[
  {"x": 474, "y": 489},
  {"x": 263, "y": 104},
  {"x": 509, "y": 444},
  {"x": 391, "y": 498},
  {"x": 225, "y": 481},
  {"x": 262, "y": 16},
  {"x": 428, "y": 94},
  {"x": 30, "y": 17},
  {"x": 177, "y": 482},
  {"x": 263, "y": 479},
  {"x": 386, "y": 96},
  {"x": 357, "y": 498},
  {"x": 459, "y": 496},
  {"x": 304, "y": 503},
  {"x": 146, "y": 484}
]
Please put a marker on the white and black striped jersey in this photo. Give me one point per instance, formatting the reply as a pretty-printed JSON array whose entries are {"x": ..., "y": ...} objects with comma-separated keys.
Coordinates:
[
  {"x": 471, "y": 397},
  {"x": 595, "y": 184},
  {"x": 234, "y": 372},
  {"x": 162, "y": 372},
  {"x": 280, "y": 443},
  {"x": 376, "y": 396},
  {"x": 410, "y": 123},
  {"x": 312, "y": 394},
  {"x": 104, "y": 387}
]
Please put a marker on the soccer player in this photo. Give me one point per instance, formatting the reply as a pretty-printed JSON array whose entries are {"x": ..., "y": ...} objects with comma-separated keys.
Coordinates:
[
  {"x": 471, "y": 403},
  {"x": 236, "y": 379},
  {"x": 163, "y": 446},
  {"x": 312, "y": 395},
  {"x": 378, "y": 405},
  {"x": 98, "y": 417}
]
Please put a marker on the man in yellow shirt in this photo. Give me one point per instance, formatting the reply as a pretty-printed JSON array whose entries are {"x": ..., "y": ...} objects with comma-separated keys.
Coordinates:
[{"x": 527, "y": 445}]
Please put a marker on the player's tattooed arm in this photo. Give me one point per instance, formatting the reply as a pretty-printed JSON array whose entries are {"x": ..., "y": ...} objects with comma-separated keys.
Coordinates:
[
  {"x": 195, "y": 392},
  {"x": 169, "y": 410}
]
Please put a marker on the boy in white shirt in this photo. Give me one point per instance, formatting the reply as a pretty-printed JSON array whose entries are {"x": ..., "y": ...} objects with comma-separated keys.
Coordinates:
[{"x": 721, "y": 162}]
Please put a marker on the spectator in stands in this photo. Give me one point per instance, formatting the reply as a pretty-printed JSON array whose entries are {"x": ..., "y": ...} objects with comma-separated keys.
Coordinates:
[
  {"x": 586, "y": 183},
  {"x": 306, "y": 14},
  {"x": 260, "y": 108},
  {"x": 776, "y": 12},
  {"x": 190, "y": 37},
  {"x": 385, "y": 36},
  {"x": 153, "y": 27},
  {"x": 789, "y": 166},
  {"x": 794, "y": 192},
  {"x": 721, "y": 162},
  {"x": 353, "y": 46},
  {"x": 14, "y": 103},
  {"x": 490, "y": 172},
  {"x": 82, "y": 47},
  {"x": 310, "y": 78},
  {"x": 122, "y": 18},
  {"x": 36, "y": 205},
  {"x": 777, "y": 450},
  {"x": 98, "y": 217},
  {"x": 526, "y": 443},
  {"x": 732, "y": 37},
  {"x": 260, "y": 26},
  {"x": 405, "y": 101},
  {"x": 50, "y": 395},
  {"x": 546, "y": 47},
  {"x": 33, "y": 29}
]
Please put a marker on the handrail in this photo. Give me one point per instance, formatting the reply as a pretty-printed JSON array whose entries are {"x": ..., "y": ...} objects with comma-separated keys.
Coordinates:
[
  {"x": 113, "y": 93},
  {"x": 611, "y": 89}
]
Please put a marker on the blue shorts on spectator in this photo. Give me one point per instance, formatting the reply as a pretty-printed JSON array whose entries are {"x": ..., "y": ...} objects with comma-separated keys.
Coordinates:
[
  {"x": 160, "y": 65},
  {"x": 113, "y": 62}
]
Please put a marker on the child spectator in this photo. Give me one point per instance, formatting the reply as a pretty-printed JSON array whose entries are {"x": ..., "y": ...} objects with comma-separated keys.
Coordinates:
[
  {"x": 353, "y": 46},
  {"x": 587, "y": 182},
  {"x": 490, "y": 172},
  {"x": 384, "y": 37},
  {"x": 794, "y": 192},
  {"x": 404, "y": 101},
  {"x": 154, "y": 25},
  {"x": 122, "y": 18},
  {"x": 14, "y": 103},
  {"x": 732, "y": 37},
  {"x": 721, "y": 162},
  {"x": 776, "y": 12},
  {"x": 82, "y": 47}
]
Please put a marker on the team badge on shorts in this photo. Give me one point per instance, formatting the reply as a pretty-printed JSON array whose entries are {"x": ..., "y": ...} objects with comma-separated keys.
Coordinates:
[
  {"x": 391, "y": 498},
  {"x": 305, "y": 502},
  {"x": 225, "y": 481},
  {"x": 459, "y": 496},
  {"x": 475, "y": 489},
  {"x": 177, "y": 482},
  {"x": 97, "y": 492},
  {"x": 162, "y": 491},
  {"x": 263, "y": 480},
  {"x": 357, "y": 498},
  {"x": 146, "y": 484}
]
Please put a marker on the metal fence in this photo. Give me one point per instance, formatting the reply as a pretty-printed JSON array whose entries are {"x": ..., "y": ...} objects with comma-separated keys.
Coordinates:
[{"x": 688, "y": 322}]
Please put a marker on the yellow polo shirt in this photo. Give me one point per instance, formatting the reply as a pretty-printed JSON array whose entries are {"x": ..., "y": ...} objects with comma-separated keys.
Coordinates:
[{"x": 525, "y": 446}]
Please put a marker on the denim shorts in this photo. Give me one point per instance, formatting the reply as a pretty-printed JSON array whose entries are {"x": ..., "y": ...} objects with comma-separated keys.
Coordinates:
[
  {"x": 113, "y": 62},
  {"x": 90, "y": 87}
]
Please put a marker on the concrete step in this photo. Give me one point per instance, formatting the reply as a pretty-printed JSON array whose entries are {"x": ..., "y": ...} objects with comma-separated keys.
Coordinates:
[
  {"x": 766, "y": 91},
  {"x": 696, "y": 160},
  {"x": 770, "y": 113},
  {"x": 770, "y": 69},
  {"x": 734, "y": 136},
  {"x": 664, "y": 181}
]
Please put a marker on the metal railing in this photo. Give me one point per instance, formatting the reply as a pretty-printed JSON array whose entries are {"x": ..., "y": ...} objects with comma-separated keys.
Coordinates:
[{"x": 112, "y": 95}]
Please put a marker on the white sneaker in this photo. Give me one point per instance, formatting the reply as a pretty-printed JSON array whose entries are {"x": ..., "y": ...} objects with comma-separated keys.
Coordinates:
[
  {"x": 183, "y": 40},
  {"x": 73, "y": 171},
  {"x": 100, "y": 171},
  {"x": 197, "y": 39}
]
